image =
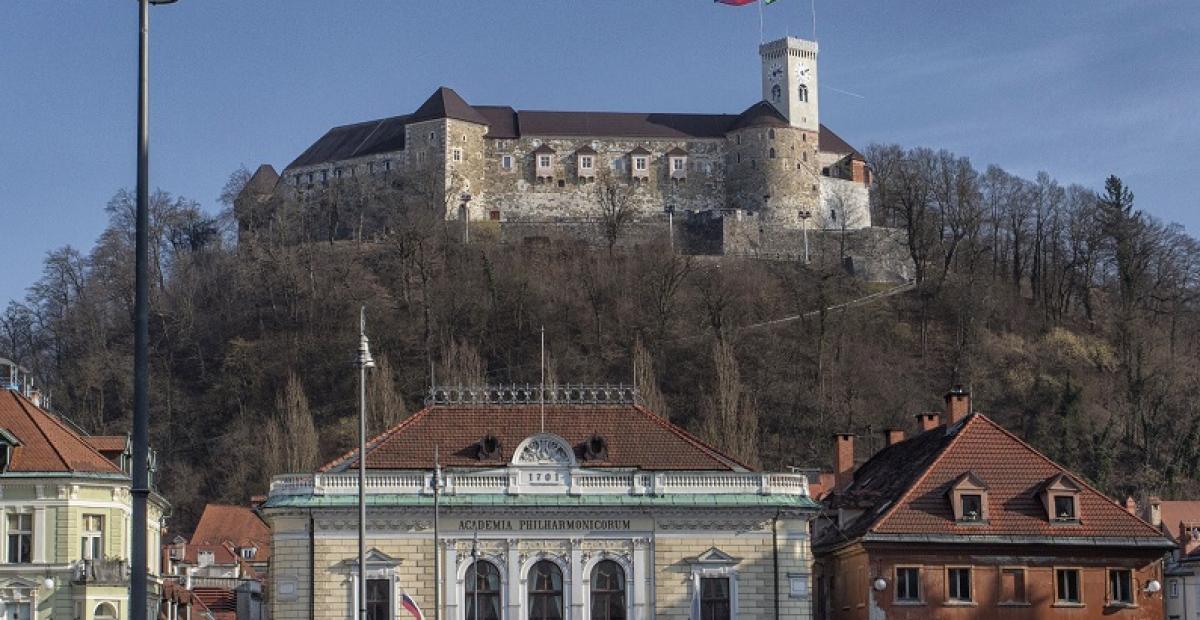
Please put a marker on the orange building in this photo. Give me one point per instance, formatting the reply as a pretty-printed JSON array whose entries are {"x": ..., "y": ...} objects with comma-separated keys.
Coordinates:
[{"x": 966, "y": 520}]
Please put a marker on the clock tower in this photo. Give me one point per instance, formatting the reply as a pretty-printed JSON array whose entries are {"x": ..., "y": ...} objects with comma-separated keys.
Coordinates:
[{"x": 789, "y": 81}]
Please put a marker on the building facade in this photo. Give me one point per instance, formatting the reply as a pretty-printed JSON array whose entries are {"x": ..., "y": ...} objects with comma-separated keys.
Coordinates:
[
  {"x": 67, "y": 513},
  {"x": 965, "y": 520},
  {"x": 586, "y": 506},
  {"x": 774, "y": 161},
  {"x": 1179, "y": 521}
]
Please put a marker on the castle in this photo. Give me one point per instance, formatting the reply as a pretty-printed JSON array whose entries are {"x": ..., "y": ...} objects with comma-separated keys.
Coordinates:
[{"x": 773, "y": 162}]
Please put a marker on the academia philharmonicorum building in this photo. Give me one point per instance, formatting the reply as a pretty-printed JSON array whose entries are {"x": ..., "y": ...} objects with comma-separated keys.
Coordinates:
[{"x": 587, "y": 506}]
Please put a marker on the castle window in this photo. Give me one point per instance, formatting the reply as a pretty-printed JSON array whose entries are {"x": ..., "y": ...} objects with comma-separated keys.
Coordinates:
[
  {"x": 753, "y": 163},
  {"x": 337, "y": 173},
  {"x": 639, "y": 163},
  {"x": 310, "y": 178},
  {"x": 833, "y": 215},
  {"x": 679, "y": 164},
  {"x": 387, "y": 164},
  {"x": 506, "y": 162},
  {"x": 324, "y": 176},
  {"x": 771, "y": 154},
  {"x": 562, "y": 183},
  {"x": 297, "y": 179},
  {"x": 739, "y": 138},
  {"x": 585, "y": 162},
  {"x": 803, "y": 93},
  {"x": 776, "y": 93},
  {"x": 771, "y": 134},
  {"x": 432, "y": 136},
  {"x": 804, "y": 155},
  {"x": 739, "y": 158},
  {"x": 544, "y": 161},
  {"x": 456, "y": 154}
]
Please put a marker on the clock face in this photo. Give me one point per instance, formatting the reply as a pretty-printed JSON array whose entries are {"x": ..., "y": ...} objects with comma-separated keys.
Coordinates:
[
  {"x": 776, "y": 72},
  {"x": 802, "y": 74}
]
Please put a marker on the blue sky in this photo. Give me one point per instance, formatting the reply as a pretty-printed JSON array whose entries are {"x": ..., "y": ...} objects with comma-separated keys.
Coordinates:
[{"x": 1079, "y": 88}]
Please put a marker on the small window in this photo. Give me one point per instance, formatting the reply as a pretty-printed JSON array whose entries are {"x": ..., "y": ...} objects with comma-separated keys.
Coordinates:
[
  {"x": 204, "y": 558},
  {"x": 379, "y": 599},
  {"x": 739, "y": 158},
  {"x": 771, "y": 134},
  {"x": 585, "y": 162},
  {"x": 103, "y": 611},
  {"x": 639, "y": 163},
  {"x": 771, "y": 154},
  {"x": 456, "y": 154},
  {"x": 776, "y": 93},
  {"x": 387, "y": 164},
  {"x": 908, "y": 584},
  {"x": 544, "y": 161},
  {"x": 297, "y": 179},
  {"x": 310, "y": 177},
  {"x": 324, "y": 176},
  {"x": 92, "y": 537},
  {"x": 1067, "y": 586},
  {"x": 804, "y": 156},
  {"x": 1173, "y": 588},
  {"x": 679, "y": 164},
  {"x": 432, "y": 136},
  {"x": 20, "y": 538},
  {"x": 337, "y": 173},
  {"x": 803, "y": 92},
  {"x": 1012, "y": 585},
  {"x": 739, "y": 138},
  {"x": 714, "y": 598},
  {"x": 562, "y": 183},
  {"x": 506, "y": 162},
  {"x": 972, "y": 505},
  {"x": 958, "y": 582},
  {"x": 1120, "y": 586},
  {"x": 247, "y": 553},
  {"x": 1064, "y": 507}
]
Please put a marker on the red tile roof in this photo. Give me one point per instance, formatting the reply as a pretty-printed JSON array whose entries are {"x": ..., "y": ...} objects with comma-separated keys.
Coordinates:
[
  {"x": 636, "y": 438},
  {"x": 904, "y": 490},
  {"x": 236, "y": 525},
  {"x": 221, "y": 601},
  {"x": 107, "y": 443},
  {"x": 1176, "y": 512},
  {"x": 48, "y": 444}
]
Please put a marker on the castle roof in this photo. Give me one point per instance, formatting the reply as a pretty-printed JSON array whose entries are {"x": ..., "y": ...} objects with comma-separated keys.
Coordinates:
[
  {"x": 45, "y": 443},
  {"x": 262, "y": 181},
  {"x": 503, "y": 122},
  {"x": 902, "y": 493},
  {"x": 634, "y": 437}
]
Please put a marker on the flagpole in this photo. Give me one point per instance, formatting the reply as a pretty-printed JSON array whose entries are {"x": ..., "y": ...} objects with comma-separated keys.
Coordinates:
[{"x": 761, "y": 37}]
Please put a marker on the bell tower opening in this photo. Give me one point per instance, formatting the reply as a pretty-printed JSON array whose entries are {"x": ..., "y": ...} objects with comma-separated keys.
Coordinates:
[{"x": 789, "y": 80}]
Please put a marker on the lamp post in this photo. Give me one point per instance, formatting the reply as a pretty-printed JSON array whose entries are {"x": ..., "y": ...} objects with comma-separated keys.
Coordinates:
[
  {"x": 804, "y": 215},
  {"x": 139, "y": 547},
  {"x": 466, "y": 217},
  {"x": 475, "y": 576},
  {"x": 670, "y": 209},
  {"x": 363, "y": 361}
]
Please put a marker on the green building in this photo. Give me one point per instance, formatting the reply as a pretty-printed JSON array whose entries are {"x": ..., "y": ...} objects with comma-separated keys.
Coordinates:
[{"x": 67, "y": 513}]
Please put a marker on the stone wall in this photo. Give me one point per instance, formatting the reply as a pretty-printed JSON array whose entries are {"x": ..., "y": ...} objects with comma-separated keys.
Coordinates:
[
  {"x": 774, "y": 171},
  {"x": 873, "y": 254}
]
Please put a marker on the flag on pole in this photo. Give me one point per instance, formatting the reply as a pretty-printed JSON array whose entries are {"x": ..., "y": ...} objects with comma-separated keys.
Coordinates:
[{"x": 407, "y": 603}]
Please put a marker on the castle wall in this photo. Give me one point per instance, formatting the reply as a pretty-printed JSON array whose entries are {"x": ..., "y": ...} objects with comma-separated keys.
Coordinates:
[
  {"x": 774, "y": 172},
  {"x": 517, "y": 195}
]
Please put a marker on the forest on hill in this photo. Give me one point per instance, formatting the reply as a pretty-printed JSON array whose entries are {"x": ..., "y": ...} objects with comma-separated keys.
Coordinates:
[{"x": 1069, "y": 312}]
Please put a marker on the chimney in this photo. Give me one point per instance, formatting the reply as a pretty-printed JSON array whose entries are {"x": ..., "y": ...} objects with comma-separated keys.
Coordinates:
[
  {"x": 958, "y": 404},
  {"x": 1189, "y": 536},
  {"x": 1155, "y": 511},
  {"x": 843, "y": 460},
  {"x": 1130, "y": 505},
  {"x": 928, "y": 421},
  {"x": 35, "y": 397},
  {"x": 892, "y": 436}
]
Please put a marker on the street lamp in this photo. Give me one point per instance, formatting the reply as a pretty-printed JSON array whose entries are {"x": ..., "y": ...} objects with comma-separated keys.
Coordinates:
[
  {"x": 466, "y": 217},
  {"x": 804, "y": 215},
  {"x": 364, "y": 361},
  {"x": 139, "y": 563},
  {"x": 670, "y": 210}
]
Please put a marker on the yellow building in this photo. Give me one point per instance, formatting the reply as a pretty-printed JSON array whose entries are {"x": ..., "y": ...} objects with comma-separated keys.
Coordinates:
[
  {"x": 67, "y": 511},
  {"x": 587, "y": 506}
]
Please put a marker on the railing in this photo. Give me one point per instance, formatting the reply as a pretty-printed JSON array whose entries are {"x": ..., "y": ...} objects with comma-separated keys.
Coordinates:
[
  {"x": 101, "y": 572},
  {"x": 533, "y": 395},
  {"x": 573, "y": 482}
]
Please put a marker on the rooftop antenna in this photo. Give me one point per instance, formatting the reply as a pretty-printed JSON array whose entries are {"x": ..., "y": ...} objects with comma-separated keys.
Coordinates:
[{"x": 542, "y": 394}]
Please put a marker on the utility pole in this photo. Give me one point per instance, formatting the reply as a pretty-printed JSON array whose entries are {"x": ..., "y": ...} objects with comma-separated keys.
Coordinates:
[
  {"x": 364, "y": 361},
  {"x": 437, "y": 537},
  {"x": 139, "y": 567},
  {"x": 671, "y": 226}
]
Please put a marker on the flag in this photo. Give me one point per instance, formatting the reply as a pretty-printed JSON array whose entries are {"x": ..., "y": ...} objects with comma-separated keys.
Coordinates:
[
  {"x": 411, "y": 605},
  {"x": 735, "y": 2}
]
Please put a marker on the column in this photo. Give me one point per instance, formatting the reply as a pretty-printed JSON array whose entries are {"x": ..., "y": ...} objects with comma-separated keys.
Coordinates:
[
  {"x": 514, "y": 580},
  {"x": 642, "y": 571},
  {"x": 450, "y": 581},
  {"x": 576, "y": 580},
  {"x": 39, "y": 535}
]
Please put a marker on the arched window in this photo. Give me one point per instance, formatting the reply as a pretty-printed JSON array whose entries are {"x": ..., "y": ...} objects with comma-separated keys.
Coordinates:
[
  {"x": 803, "y": 92},
  {"x": 105, "y": 611},
  {"x": 608, "y": 591},
  {"x": 771, "y": 134},
  {"x": 545, "y": 591},
  {"x": 776, "y": 93},
  {"x": 483, "y": 585},
  {"x": 772, "y": 154}
]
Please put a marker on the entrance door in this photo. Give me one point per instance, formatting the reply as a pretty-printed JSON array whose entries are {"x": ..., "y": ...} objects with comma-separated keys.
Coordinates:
[{"x": 16, "y": 611}]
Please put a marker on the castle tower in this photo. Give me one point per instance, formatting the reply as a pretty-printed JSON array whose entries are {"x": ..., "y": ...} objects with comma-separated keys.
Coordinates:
[{"x": 789, "y": 79}]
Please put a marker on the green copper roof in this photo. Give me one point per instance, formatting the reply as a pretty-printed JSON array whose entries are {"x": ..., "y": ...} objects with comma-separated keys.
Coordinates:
[{"x": 450, "y": 501}]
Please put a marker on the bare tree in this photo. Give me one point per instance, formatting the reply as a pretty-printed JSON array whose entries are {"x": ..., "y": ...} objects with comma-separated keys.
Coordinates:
[
  {"x": 615, "y": 206},
  {"x": 460, "y": 365},
  {"x": 292, "y": 437},
  {"x": 646, "y": 381},
  {"x": 385, "y": 403},
  {"x": 731, "y": 416}
]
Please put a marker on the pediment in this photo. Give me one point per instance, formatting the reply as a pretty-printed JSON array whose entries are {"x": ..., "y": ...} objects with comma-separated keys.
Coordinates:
[
  {"x": 375, "y": 559},
  {"x": 544, "y": 449},
  {"x": 969, "y": 481},
  {"x": 714, "y": 556},
  {"x": 1062, "y": 483}
]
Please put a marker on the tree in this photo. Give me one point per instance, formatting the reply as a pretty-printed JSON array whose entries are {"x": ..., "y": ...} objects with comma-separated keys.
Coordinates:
[
  {"x": 646, "y": 381},
  {"x": 615, "y": 206},
  {"x": 731, "y": 417},
  {"x": 292, "y": 438},
  {"x": 385, "y": 403}
]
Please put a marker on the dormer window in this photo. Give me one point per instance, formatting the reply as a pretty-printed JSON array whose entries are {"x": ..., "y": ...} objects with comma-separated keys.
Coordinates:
[
  {"x": 585, "y": 163},
  {"x": 7, "y": 444},
  {"x": 677, "y": 163},
  {"x": 1060, "y": 495},
  {"x": 968, "y": 498},
  {"x": 639, "y": 163},
  {"x": 247, "y": 553},
  {"x": 543, "y": 159}
]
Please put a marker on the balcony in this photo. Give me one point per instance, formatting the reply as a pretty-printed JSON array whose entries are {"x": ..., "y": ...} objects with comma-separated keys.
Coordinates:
[{"x": 106, "y": 572}]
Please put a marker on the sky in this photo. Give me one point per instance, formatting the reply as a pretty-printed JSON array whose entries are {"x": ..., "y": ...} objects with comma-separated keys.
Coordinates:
[{"x": 1078, "y": 88}]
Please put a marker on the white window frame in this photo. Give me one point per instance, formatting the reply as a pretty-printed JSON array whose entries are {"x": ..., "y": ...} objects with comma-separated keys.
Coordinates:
[
  {"x": 456, "y": 154},
  {"x": 591, "y": 564},
  {"x": 678, "y": 164},
  {"x": 91, "y": 540},
  {"x": 641, "y": 163},
  {"x": 506, "y": 162},
  {"x": 585, "y": 162},
  {"x": 376, "y": 569},
  {"x": 718, "y": 564},
  {"x": 544, "y": 161},
  {"x": 461, "y": 589},
  {"x": 10, "y": 532},
  {"x": 201, "y": 555},
  {"x": 568, "y": 581}
]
